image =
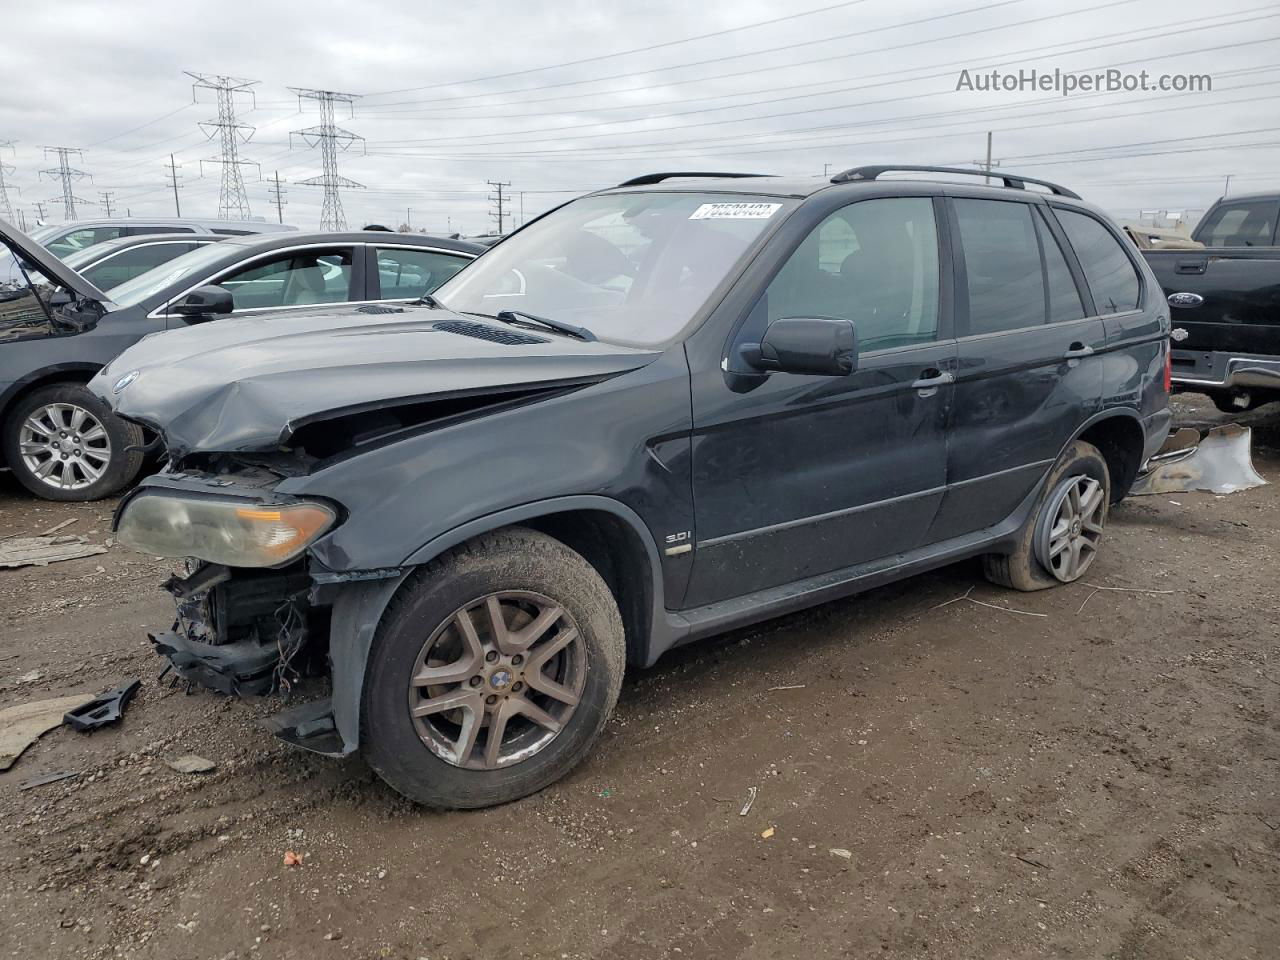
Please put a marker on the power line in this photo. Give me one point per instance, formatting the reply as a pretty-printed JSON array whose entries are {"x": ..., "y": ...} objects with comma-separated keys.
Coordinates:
[
  {"x": 233, "y": 200},
  {"x": 66, "y": 174},
  {"x": 328, "y": 137}
]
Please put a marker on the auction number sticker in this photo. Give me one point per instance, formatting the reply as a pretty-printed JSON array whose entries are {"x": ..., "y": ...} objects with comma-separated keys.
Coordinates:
[{"x": 735, "y": 211}]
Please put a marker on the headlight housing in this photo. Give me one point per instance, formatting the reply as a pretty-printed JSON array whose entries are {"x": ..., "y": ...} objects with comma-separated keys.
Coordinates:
[{"x": 238, "y": 533}]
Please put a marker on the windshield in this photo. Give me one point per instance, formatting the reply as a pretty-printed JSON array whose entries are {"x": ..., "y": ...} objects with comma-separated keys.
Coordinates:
[
  {"x": 630, "y": 267},
  {"x": 41, "y": 234},
  {"x": 189, "y": 266}
]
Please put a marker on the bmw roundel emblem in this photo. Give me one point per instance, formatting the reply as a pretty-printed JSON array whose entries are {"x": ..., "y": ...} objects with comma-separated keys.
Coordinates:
[
  {"x": 124, "y": 381},
  {"x": 1185, "y": 299}
]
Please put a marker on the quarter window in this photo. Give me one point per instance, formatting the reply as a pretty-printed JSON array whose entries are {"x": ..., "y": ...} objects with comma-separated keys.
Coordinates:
[
  {"x": 1113, "y": 281},
  {"x": 1064, "y": 298},
  {"x": 1002, "y": 260},
  {"x": 403, "y": 274},
  {"x": 294, "y": 279},
  {"x": 873, "y": 262},
  {"x": 1241, "y": 225},
  {"x": 80, "y": 239}
]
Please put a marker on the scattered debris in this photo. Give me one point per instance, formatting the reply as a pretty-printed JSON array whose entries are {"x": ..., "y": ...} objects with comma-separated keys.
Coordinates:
[
  {"x": 1097, "y": 589},
  {"x": 292, "y": 859},
  {"x": 789, "y": 686},
  {"x": 42, "y": 551},
  {"x": 47, "y": 779},
  {"x": 103, "y": 709},
  {"x": 31, "y": 677},
  {"x": 840, "y": 852},
  {"x": 606, "y": 793},
  {"x": 767, "y": 834},
  {"x": 751, "y": 798},
  {"x": 983, "y": 603},
  {"x": 20, "y": 726},
  {"x": 59, "y": 526},
  {"x": 1034, "y": 863},
  {"x": 335, "y": 935},
  {"x": 190, "y": 763},
  {"x": 1220, "y": 463}
]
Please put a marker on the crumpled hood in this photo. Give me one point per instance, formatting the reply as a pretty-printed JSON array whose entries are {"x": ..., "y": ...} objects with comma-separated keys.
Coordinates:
[{"x": 242, "y": 383}]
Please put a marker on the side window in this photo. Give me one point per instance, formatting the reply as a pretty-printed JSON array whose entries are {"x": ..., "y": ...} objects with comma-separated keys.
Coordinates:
[
  {"x": 133, "y": 262},
  {"x": 80, "y": 239},
  {"x": 412, "y": 273},
  {"x": 1002, "y": 261},
  {"x": 873, "y": 262},
  {"x": 1112, "y": 279},
  {"x": 1064, "y": 298},
  {"x": 292, "y": 279},
  {"x": 157, "y": 228},
  {"x": 1241, "y": 225}
]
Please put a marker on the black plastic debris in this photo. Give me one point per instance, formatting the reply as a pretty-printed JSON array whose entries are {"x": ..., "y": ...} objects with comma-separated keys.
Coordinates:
[
  {"x": 48, "y": 778},
  {"x": 102, "y": 710}
]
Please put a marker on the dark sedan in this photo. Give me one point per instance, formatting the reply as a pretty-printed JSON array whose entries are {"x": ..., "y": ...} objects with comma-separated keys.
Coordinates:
[
  {"x": 109, "y": 264},
  {"x": 60, "y": 441}
]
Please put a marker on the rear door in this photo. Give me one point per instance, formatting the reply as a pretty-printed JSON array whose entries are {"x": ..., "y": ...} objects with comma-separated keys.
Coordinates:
[{"x": 1029, "y": 371}]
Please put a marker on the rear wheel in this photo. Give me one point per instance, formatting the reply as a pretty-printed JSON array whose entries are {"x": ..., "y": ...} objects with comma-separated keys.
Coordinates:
[
  {"x": 492, "y": 673},
  {"x": 63, "y": 443},
  {"x": 1060, "y": 541}
]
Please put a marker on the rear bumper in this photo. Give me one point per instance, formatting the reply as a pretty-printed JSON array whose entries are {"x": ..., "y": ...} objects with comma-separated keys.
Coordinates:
[{"x": 1223, "y": 370}]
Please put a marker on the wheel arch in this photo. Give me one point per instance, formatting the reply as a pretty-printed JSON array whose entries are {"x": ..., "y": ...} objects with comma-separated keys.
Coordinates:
[
  {"x": 1120, "y": 438},
  {"x": 78, "y": 373}
]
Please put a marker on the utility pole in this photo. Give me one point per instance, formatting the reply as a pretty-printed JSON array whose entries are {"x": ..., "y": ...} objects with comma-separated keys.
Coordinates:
[
  {"x": 6, "y": 210},
  {"x": 1227, "y": 186},
  {"x": 233, "y": 201},
  {"x": 988, "y": 163},
  {"x": 65, "y": 173},
  {"x": 173, "y": 176},
  {"x": 328, "y": 136},
  {"x": 277, "y": 194},
  {"x": 22, "y": 220},
  {"x": 499, "y": 201},
  {"x": 39, "y": 210},
  {"x": 106, "y": 196},
  {"x": 825, "y": 168}
]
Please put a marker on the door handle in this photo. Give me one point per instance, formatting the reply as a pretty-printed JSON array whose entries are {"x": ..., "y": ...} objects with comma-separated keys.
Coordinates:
[
  {"x": 1190, "y": 266},
  {"x": 1076, "y": 350},
  {"x": 932, "y": 377}
]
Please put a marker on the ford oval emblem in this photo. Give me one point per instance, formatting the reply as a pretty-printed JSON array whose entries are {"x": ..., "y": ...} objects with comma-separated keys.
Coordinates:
[
  {"x": 1185, "y": 299},
  {"x": 124, "y": 381}
]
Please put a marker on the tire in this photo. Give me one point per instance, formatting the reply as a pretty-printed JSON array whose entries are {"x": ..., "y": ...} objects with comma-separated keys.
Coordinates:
[
  {"x": 1023, "y": 568},
  {"x": 90, "y": 470},
  {"x": 442, "y": 759}
]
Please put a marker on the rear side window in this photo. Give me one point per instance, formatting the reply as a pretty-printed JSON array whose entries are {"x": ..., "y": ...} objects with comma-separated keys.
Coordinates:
[
  {"x": 1064, "y": 298},
  {"x": 405, "y": 274},
  {"x": 131, "y": 263},
  {"x": 1002, "y": 261},
  {"x": 1241, "y": 225},
  {"x": 1112, "y": 278},
  {"x": 80, "y": 239}
]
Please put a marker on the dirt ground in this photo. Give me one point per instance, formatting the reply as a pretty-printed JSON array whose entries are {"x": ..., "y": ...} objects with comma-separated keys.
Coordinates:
[{"x": 1098, "y": 779}]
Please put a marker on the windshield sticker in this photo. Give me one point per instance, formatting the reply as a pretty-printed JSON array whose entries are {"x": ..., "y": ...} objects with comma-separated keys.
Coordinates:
[{"x": 735, "y": 211}]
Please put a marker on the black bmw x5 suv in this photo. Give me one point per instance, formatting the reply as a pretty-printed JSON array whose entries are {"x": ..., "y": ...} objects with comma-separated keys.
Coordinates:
[{"x": 657, "y": 412}]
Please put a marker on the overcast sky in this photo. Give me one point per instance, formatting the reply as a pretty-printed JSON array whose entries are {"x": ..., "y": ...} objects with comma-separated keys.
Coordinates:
[{"x": 561, "y": 98}]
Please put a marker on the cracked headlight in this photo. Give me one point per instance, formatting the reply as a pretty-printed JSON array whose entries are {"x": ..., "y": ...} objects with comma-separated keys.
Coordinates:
[{"x": 237, "y": 533}]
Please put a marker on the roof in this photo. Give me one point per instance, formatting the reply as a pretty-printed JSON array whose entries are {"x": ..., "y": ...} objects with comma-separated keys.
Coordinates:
[
  {"x": 262, "y": 226},
  {"x": 382, "y": 238}
]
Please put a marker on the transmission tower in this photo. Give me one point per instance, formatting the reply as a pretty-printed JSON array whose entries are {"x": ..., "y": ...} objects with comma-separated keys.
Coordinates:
[
  {"x": 278, "y": 191},
  {"x": 330, "y": 139},
  {"x": 6, "y": 209},
  {"x": 499, "y": 201},
  {"x": 67, "y": 175},
  {"x": 233, "y": 201}
]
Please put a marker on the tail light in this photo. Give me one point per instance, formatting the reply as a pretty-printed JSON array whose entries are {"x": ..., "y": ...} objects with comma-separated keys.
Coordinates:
[{"x": 1168, "y": 367}]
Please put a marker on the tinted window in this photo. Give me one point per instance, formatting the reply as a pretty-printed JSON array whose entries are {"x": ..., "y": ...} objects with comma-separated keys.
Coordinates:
[
  {"x": 1112, "y": 279},
  {"x": 134, "y": 262},
  {"x": 1064, "y": 298},
  {"x": 293, "y": 279},
  {"x": 1002, "y": 260},
  {"x": 150, "y": 229},
  {"x": 80, "y": 239},
  {"x": 875, "y": 263},
  {"x": 413, "y": 273},
  {"x": 1241, "y": 225}
]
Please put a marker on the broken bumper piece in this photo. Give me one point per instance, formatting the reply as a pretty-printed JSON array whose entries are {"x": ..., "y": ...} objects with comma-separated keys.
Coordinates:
[{"x": 236, "y": 669}]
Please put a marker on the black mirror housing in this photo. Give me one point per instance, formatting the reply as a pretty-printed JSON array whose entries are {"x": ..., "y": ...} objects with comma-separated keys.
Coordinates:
[
  {"x": 814, "y": 346},
  {"x": 206, "y": 301}
]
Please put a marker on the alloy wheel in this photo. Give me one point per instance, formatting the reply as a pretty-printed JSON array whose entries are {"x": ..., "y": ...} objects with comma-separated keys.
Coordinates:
[
  {"x": 1071, "y": 527},
  {"x": 65, "y": 446},
  {"x": 498, "y": 680}
]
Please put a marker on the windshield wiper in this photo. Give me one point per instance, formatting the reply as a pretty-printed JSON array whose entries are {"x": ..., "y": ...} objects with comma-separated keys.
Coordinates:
[
  {"x": 520, "y": 318},
  {"x": 428, "y": 300}
]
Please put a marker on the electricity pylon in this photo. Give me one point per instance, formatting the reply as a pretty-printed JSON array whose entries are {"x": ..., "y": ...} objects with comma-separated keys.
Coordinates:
[
  {"x": 233, "y": 200},
  {"x": 330, "y": 139},
  {"x": 67, "y": 174}
]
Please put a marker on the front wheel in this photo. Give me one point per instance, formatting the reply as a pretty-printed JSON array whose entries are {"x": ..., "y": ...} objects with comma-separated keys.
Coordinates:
[
  {"x": 63, "y": 443},
  {"x": 1060, "y": 541},
  {"x": 494, "y": 670}
]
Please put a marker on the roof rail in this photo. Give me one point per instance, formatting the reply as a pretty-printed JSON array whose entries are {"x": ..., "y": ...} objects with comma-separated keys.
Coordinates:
[
  {"x": 651, "y": 178},
  {"x": 1014, "y": 181}
]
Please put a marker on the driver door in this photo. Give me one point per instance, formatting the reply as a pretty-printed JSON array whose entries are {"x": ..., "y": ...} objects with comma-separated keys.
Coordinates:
[{"x": 796, "y": 476}]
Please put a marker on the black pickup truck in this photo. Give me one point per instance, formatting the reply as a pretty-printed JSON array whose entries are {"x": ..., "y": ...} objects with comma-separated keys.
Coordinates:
[{"x": 1226, "y": 303}]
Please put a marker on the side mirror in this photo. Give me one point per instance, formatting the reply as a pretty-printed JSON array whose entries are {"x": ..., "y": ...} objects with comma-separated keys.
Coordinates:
[
  {"x": 204, "y": 302},
  {"x": 817, "y": 346}
]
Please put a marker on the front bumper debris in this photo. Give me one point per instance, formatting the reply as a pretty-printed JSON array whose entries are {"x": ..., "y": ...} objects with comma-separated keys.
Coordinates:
[{"x": 1220, "y": 463}]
